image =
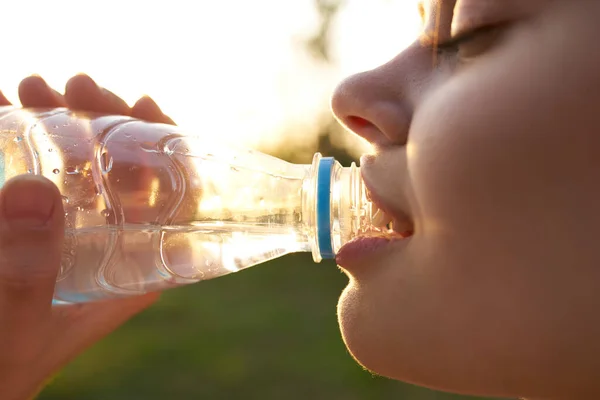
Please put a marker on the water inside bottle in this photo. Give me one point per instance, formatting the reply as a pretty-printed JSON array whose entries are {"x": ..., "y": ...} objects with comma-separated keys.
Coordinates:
[{"x": 180, "y": 254}]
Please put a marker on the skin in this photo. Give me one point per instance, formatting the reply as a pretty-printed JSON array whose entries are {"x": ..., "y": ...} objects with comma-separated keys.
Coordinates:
[
  {"x": 36, "y": 340},
  {"x": 492, "y": 152}
]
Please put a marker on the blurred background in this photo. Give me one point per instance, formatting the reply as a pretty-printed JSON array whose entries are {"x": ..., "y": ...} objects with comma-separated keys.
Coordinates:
[{"x": 259, "y": 73}]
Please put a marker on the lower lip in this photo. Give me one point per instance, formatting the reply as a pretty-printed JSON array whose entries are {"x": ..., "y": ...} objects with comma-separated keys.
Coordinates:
[{"x": 360, "y": 251}]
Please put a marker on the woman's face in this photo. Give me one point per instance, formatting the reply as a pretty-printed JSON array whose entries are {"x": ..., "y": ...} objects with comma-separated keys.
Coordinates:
[{"x": 491, "y": 148}]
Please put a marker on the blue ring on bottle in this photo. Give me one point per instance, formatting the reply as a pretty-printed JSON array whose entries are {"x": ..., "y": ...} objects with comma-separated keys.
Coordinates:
[{"x": 324, "y": 207}]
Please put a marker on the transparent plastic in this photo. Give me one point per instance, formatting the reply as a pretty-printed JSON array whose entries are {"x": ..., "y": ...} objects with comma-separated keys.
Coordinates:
[{"x": 149, "y": 207}]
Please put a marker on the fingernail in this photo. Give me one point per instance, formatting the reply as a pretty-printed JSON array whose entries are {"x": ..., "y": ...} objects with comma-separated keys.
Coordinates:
[{"x": 28, "y": 202}]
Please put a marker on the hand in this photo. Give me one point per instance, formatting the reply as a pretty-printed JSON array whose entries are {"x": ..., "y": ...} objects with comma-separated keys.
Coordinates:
[
  {"x": 36, "y": 339},
  {"x": 82, "y": 93}
]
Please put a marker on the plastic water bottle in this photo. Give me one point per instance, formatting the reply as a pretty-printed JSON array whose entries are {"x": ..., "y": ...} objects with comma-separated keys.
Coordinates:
[{"x": 149, "y": 207}]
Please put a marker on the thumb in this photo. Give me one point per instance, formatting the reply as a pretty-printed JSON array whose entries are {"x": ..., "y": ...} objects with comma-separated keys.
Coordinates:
[{"x": 31, "y": 234}]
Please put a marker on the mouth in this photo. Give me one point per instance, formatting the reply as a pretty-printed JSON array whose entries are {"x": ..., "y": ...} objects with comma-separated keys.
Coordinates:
[{"x": 386, "y": 221}]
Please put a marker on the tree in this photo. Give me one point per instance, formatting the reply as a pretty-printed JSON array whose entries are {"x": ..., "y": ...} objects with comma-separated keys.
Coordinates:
[
  {"x": 331, "y": 137},
  {"x": 319, "y": 44}
]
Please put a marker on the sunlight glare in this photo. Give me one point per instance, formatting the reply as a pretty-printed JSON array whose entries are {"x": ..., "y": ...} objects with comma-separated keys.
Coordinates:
[{"x": 234, "y": 68}]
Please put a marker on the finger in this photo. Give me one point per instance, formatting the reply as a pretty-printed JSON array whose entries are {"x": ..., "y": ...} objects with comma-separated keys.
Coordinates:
[
  {"x": 147, "y": 109},
  {"x": 82, "y": 93},
  {"x": 31, "y": 233},
  {"x": 3, "y": 100},
  {"x": 35, "y": 92}
]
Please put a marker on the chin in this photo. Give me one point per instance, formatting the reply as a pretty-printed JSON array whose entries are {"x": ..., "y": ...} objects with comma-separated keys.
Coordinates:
[
  {"x": 364, "y": 334},
  {"x": 390, "y": 335},
  {"x": 394, "y": 355},
  {"x": 413, "y": 348},
  {"x": 380, "y": 317}
]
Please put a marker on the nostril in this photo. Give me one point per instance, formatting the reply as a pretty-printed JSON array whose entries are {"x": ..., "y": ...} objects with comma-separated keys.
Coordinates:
[
  {"x": 357, "y": 123},
  {"x": 367, "y": 130}
]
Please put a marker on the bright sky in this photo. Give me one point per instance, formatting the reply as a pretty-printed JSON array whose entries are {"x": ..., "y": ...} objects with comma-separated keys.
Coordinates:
[{"x": 232, "y": 68}]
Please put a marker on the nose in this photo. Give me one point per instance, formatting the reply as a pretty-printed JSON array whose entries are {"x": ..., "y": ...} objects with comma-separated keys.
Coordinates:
[{"x": 378, "y": 104}]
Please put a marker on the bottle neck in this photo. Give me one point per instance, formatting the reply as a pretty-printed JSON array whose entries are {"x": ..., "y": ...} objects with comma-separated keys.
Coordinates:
[
  {"x": 335, "y": 205},
  {"x": 351, "y": 209}
]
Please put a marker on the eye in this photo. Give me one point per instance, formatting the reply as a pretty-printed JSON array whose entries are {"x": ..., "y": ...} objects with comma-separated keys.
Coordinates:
[{"x": 471, "y": 43}]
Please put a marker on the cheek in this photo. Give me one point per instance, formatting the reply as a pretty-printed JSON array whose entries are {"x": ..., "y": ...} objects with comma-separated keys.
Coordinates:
[
  {"x": 507, "y": 192},
  {"x": 506, "y": 174},
  {"x": 502, "y": 141}
]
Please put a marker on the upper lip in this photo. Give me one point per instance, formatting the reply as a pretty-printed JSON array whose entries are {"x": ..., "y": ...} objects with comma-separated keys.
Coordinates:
[{"x": 401, "y": 221}]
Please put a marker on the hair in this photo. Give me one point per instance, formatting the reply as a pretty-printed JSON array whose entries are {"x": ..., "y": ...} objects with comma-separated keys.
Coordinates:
[{"x": 431, "y": 39}]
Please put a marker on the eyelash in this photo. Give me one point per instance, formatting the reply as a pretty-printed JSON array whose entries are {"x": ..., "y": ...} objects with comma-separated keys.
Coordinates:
[{"x": 452, "y": 46}]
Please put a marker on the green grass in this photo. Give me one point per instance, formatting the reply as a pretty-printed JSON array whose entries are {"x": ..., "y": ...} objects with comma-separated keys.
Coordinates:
[{"x": 269, "y": 332}]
